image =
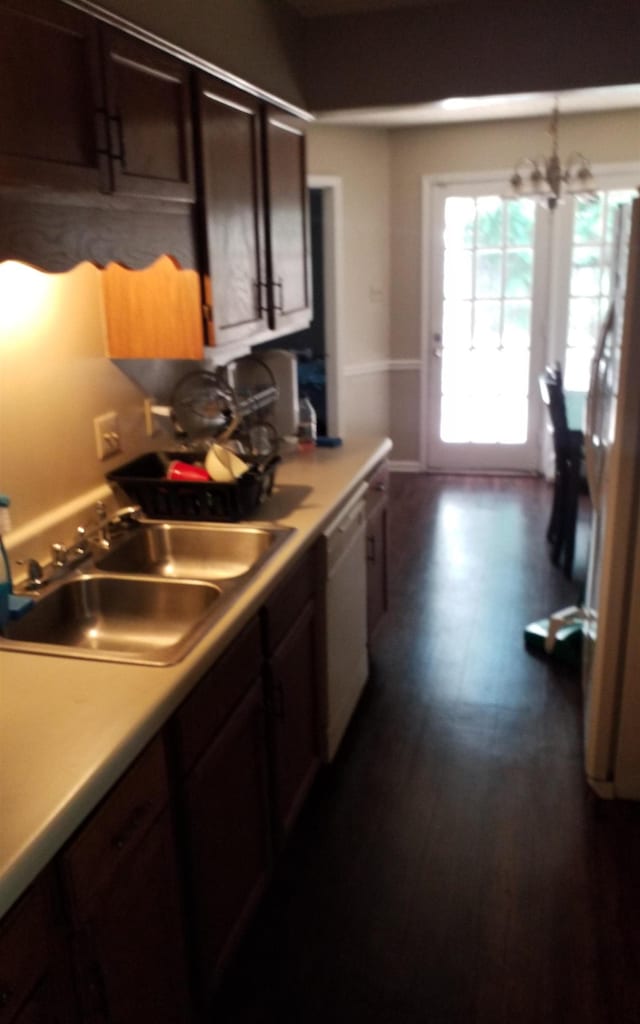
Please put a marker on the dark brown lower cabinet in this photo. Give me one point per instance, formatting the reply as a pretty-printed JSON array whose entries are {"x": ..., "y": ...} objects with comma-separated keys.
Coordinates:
[
  {"x": 223, "y": 803},
  {"x": 35, "y": 978},
  {"x": 138, "y": 915},
  {"x": 293, "y": 691},
  {"x": 292, "y": 682},
  {"x": 227, "y": 824},
  {"x": 377, "y": 503},
  {"x": 121, "y": 882}
]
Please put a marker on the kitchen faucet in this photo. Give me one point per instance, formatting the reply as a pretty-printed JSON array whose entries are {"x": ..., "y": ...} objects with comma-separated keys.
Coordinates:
[{"x": 104, "y": 533}]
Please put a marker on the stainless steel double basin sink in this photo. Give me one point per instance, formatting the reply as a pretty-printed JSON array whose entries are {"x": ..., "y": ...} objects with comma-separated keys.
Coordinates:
[{"x": 151, "y": 596}]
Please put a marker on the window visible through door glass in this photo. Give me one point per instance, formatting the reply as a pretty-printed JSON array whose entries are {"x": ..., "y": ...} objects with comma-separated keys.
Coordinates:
[
  {"x": 488, "y": 292},
  {"x": 590, "y": 280}
]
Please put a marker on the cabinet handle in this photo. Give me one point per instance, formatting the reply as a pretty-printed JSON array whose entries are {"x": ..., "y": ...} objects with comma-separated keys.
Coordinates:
[
  {"x": 93, "y": 988},
  {"x": 371, "y": 549},
  {"x": 97, "y": 990},
  {"x": 278, "y": 693},
  {"x": 121, "y": 154},
  {"x": 278, "y": 284},
  {"x": 138, "y": 816},
  {"x": 261, "y": 290},
  {"x": 6, "y": 995},
  {"x": 102, "y": 132}
]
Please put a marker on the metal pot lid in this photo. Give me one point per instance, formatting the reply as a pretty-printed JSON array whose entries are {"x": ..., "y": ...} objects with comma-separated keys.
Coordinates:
[{"x": 204, "y": 405}]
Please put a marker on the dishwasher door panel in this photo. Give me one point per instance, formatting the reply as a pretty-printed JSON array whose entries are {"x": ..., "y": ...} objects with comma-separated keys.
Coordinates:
[{"x": 346, "y": 627}]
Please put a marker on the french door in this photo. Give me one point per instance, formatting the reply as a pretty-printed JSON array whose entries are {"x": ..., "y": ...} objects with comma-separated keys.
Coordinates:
[{"x": 487, "y": 339}]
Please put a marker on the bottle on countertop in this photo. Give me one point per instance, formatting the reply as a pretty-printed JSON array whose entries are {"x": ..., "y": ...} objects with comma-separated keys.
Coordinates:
[{"x": 307, "y": 425}]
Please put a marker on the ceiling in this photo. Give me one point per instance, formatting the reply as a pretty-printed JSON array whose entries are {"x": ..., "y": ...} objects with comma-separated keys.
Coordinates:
[
  {"x": 460, "y": 109},
  {"x": 488, "y": 108},
  {"x": 318, "y": 8}
]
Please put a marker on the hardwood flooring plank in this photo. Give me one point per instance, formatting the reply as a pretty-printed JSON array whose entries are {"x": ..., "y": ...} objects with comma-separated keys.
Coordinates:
[{"x": 452, "y": 865}]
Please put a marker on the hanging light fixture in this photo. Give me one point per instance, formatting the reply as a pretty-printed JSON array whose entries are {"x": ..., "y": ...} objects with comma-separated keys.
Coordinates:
[{"x": 545, "y": 178}]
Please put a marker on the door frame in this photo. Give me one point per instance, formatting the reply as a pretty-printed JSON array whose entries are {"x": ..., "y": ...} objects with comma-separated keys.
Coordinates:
[
  {"x": 333, "y": 248},
  {"x": 497, "y": 183},
  {"x": 606, "y": 175}
]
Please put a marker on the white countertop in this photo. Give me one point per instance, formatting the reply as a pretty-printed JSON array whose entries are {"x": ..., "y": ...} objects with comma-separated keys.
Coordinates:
[{"x": 70, "y": 727}]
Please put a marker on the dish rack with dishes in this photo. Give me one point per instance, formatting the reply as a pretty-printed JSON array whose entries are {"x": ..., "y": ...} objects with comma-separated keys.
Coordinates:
[
  {"x": 145, "y": 482},
  {"x": 226, "y": 432}
]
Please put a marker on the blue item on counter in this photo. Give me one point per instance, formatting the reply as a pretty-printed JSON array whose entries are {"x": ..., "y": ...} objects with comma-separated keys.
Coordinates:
[
  {"x": 19, "y": 606},
  {"x": 5, "y": 571},
  {"x": 328, "y": 442}
]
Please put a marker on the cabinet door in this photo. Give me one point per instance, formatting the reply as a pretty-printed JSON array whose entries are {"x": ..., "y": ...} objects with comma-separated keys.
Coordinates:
[
  {"x": 34, "y": 986},
  {"x": 293, "y": 687},
  {"x": 124, "y": 895},
  {"x": 226, "y": 822},
  {"x": 231, "y": 150},
  {"x": 129, "y": 949},
  {"x": 149, "y": 114},
  {"x": 287, "y": 222},
  {"x": 377, "y": 556},
  {"x": 376, "y": 568},
  {"x": 52, "y": 125}
]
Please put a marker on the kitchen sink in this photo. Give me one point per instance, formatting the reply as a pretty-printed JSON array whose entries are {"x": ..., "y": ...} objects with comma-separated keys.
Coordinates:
[
  {"x": 150, "y": 597},
  {"x": 214, "y": 552},
  {"x": 117, "y": 618}
]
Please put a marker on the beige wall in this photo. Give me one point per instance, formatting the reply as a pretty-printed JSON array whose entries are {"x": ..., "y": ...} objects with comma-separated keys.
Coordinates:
[
  {"x": 404, "y": 413},
  {"x": 360, "y": 159},
  {"x": 54, "y": 378},
  {"x": 610, "y": 138},
  {"x": 257, "y": 40}
]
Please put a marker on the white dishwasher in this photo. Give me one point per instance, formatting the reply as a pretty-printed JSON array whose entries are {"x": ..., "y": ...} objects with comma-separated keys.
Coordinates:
[{"x": 346, "y": 655}]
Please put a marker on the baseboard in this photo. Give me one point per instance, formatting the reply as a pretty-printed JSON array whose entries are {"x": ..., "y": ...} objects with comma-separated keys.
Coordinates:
[{"x": 404, "y": 466}]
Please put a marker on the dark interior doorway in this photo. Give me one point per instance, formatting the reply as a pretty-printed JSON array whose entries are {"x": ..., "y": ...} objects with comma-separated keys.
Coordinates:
[{"x": 310, "y": 344}]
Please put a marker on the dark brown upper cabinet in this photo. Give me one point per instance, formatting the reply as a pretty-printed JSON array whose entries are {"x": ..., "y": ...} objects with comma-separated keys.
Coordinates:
[
  {"x": 86, "y": 107},
  {"x": 255, "y": 215},
  {"x": 149, "y": 122},
  {"x": 52, "y": 131},
  {"x": 233, "y": 210},
  {"x": 288, "y": 263}
]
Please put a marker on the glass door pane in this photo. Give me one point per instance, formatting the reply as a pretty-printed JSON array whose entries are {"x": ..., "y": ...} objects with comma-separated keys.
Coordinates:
[
  {"x": 485, "y": 342},
  {"x": 589, "y": 281}
]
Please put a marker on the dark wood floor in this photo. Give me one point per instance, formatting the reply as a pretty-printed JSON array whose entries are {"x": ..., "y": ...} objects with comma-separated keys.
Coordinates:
[{"x": 452, "y": 865}]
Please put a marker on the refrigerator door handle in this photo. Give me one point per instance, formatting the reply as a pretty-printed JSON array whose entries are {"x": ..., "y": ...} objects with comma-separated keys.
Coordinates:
[{"x": 592, "y": 461}]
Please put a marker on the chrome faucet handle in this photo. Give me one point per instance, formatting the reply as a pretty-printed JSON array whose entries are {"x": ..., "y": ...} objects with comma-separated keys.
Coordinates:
[
  {"x": 103, "y": 525},
  {"x": 127, "y": 516},
  {"x": 58, "y": 556},
  {"x": 35, "y": 573},
  {"x": 81, "y": 546}
]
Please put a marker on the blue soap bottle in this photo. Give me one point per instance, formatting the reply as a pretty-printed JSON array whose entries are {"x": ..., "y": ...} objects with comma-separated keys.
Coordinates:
[{"x": 5, "y": 571}]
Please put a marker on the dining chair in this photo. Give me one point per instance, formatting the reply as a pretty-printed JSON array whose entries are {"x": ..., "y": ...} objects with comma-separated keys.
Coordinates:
[{"x": 568, "y": 449}]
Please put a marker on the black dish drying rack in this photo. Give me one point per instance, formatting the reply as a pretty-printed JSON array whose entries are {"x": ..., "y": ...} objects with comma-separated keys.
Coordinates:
[{"x": 144, "y": 481}]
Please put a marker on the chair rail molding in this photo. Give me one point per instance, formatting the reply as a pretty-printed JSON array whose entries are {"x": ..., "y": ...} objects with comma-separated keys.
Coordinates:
[
  {"x": 382, "y": 366},
  {"x": 363, "y": 369}
]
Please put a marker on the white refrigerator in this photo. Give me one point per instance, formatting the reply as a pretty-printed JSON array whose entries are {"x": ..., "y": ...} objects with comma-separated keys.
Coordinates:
[{"x": 611, "y": 670}]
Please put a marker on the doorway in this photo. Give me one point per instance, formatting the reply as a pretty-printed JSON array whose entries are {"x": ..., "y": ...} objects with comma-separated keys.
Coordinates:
[
  {"x": 318, "y": 346},
  {"x": 487, "y": 332}
]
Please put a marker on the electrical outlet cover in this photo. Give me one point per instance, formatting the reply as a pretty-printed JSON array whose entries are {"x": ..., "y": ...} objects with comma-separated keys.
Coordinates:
[{"x": 107, "y": 435}]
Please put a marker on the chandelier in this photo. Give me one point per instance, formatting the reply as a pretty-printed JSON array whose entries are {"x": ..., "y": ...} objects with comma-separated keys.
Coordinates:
[{"x": 545, "y": 178}]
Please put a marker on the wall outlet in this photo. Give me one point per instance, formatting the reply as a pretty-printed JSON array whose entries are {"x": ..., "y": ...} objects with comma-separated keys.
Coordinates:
[{"x": 107, "y": 434}]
